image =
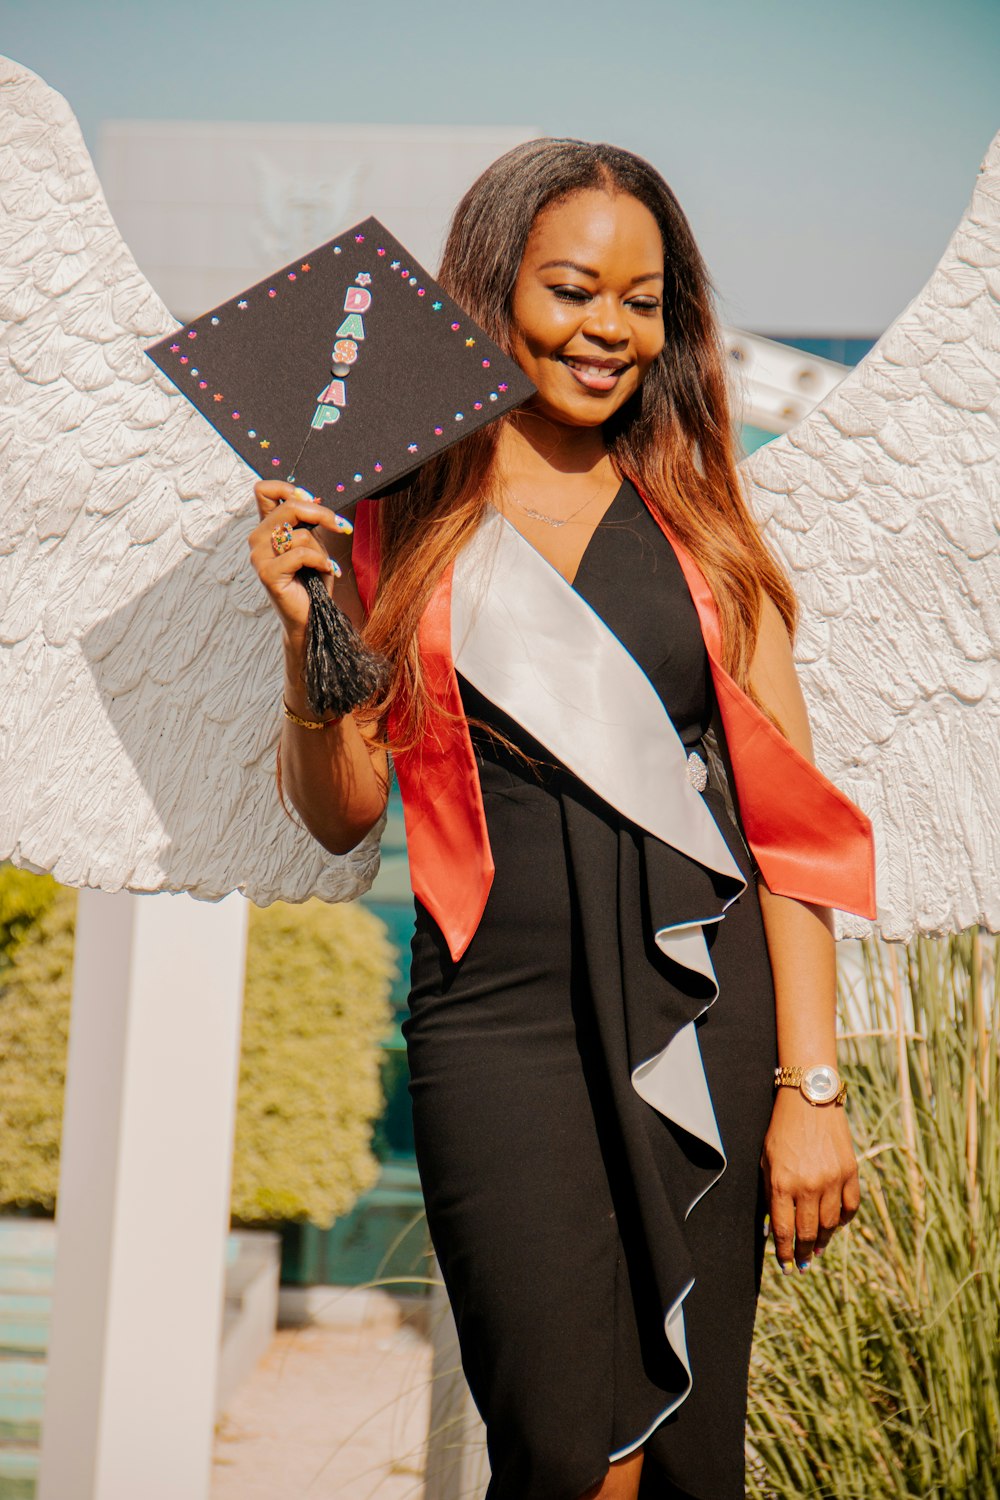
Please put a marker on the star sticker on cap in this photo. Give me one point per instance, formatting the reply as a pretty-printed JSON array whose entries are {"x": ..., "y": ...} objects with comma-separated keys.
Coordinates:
[
  {"x": 265, "y": 443},
  {"x": 217, "y": 396},
  {"x": 437, "y": 306},
  {"x": 469, "y": 343},
  {"x": 363, "y": 278},
  {"x": 242, "y": 304},
  {"x": 174, "y": 348},
  {"x": 394, "y": 265},
  {"x": 306, "y": 266},
  {"x": 411, "y": 448}
]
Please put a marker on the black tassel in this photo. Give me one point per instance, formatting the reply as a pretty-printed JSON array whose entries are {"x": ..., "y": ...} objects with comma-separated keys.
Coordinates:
[{"x": 340, "y": 672}]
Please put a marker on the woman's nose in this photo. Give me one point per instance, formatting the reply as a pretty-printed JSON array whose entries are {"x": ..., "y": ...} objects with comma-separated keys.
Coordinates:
[{"x": 606, "y": 321}]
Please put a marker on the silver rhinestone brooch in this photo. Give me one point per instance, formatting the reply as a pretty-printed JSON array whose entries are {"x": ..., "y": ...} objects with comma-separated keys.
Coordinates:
[{"x": 697, "y": 772}]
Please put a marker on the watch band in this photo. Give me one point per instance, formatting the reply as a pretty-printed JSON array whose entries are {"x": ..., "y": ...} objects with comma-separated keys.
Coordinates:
[{"x": 792, "y": 1077}]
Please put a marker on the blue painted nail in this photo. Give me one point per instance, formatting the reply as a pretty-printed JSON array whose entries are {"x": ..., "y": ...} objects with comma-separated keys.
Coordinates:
[
  {"x": 803, "y": 1265},
  {"x": 336, "y": 569},
  {"x": 343, "y": 524}
]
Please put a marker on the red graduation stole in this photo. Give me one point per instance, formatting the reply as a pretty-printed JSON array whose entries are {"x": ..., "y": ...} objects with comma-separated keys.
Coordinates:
[{"x": 809, "y": 840}]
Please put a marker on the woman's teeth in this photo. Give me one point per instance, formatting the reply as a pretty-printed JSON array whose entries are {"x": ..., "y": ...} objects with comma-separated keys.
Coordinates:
[{"x": 597, "y": 377}]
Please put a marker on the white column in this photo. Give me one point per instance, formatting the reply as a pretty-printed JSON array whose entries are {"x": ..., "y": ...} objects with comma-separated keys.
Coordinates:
[{"x": 143, "y": 1206}]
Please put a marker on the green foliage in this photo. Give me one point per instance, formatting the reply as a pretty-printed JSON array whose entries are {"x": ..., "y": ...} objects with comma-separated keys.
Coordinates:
[
  {"x": 316, "y": 1008},
  {"x": 877, "y": 1374},
  {"x": 317, "y": 990},
  {"x": 35, "y": 988},
  {"x": 24, "y": 899}
]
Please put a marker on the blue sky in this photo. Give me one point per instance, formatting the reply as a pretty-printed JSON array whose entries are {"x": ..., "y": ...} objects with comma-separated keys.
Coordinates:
[{"x": 824, "y": 153}]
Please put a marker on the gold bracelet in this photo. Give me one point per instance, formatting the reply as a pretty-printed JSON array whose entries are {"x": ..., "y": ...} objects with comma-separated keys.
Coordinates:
[{"x": 308, "y": 723}]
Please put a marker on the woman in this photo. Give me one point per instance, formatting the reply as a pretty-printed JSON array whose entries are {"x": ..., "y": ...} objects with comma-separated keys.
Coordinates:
[{"x": 602, "y": 986}]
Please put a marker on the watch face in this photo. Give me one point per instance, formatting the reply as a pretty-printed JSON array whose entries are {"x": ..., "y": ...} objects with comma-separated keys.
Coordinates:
[{"x": 821, "y": 1084}]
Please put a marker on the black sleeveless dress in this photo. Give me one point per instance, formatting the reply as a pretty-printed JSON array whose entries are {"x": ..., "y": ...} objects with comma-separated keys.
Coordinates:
[{"x": 555, "y": 1195}]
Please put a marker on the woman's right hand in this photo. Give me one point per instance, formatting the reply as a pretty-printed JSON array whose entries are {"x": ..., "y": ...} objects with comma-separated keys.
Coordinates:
[{"x": 278, "y": 503}]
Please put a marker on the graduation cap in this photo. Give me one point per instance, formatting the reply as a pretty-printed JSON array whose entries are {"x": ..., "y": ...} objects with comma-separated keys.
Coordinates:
[
  {"x": 341, "y": 372},
  {"x": 344, "y": 370}
]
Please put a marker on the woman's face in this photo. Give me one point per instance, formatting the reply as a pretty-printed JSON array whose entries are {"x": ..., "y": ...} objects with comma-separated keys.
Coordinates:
[{"x": 588, "y": 305}]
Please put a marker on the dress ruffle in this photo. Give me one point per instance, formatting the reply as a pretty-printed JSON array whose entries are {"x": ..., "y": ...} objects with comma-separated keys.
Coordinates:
[{"x": 648, "y": 1006}]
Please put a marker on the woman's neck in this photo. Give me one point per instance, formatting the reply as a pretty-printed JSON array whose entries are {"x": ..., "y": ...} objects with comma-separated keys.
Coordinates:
[{"x": 533, "y": 448}]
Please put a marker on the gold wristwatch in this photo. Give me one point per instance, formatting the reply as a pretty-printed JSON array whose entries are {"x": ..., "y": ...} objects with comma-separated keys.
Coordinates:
[{"x": 820, "y": 1084}]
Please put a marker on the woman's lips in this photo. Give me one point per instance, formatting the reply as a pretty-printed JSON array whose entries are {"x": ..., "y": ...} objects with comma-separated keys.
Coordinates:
[{"x": 596, "y": 375}]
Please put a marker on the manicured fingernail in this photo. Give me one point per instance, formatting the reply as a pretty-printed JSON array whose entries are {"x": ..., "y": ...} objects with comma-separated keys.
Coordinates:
[
  {"x": 303, "y": 494},
  {"x": 767, "y": 1224},
  {"x": 343, "y": 524},
  {"x": 803, "y": 1265},
  {"x": 786, "y": 1267},
  {"x": 336, "y": 569}
]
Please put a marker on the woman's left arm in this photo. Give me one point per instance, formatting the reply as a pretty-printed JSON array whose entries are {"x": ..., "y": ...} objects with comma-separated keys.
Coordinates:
[{"x": 810, "y": 1172}]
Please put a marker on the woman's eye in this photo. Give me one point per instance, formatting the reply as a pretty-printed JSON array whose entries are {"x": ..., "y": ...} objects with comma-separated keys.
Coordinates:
[
  {"x": 571, "y": 293},
  {"x": 645, "y": 304}
]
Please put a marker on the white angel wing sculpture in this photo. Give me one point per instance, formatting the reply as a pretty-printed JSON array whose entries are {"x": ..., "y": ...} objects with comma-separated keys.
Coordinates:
[
  {"x": 884, "y": 504},
  {"x": 138, "y": 660},
  {"x": 138, "y": 654}
]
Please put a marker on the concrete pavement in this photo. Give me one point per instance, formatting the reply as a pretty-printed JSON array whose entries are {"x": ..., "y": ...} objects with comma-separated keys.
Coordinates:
[{"x": 338, "y": 1407}]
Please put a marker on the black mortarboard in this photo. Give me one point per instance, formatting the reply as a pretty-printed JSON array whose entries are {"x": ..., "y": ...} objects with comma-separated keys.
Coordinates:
[{"x": 344, "y": 370}]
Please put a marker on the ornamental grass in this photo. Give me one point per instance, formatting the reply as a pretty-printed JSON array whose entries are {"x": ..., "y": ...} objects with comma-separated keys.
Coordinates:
[{"x": 877, "y": 1373}]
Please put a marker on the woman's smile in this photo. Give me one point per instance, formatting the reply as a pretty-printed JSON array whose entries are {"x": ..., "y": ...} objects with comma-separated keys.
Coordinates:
[{"x": 595, "y": 374}]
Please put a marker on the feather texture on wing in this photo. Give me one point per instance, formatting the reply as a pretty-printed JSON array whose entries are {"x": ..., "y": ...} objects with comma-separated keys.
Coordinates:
[
  {"x": 884, "y": 504},
  {"x": 139, "y": 659}
]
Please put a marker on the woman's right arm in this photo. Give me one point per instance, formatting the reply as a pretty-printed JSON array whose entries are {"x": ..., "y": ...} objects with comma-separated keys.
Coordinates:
[{"x": 336, "y": 778}]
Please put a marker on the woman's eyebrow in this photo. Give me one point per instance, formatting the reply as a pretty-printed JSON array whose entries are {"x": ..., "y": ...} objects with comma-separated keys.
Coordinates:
[{"x": 571, "y": 265}]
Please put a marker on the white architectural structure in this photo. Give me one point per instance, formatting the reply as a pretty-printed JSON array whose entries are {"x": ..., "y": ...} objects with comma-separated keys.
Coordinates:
[
  {"x": 208, "y": 209},
  {"x": 143, "y": 1198}
]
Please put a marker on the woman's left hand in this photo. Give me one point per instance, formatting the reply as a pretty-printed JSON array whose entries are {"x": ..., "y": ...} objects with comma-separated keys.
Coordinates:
[{"x": 810, "y": 1176}]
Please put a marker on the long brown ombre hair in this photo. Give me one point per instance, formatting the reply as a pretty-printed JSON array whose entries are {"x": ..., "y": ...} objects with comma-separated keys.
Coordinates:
[{"x": 673, "y": 439}]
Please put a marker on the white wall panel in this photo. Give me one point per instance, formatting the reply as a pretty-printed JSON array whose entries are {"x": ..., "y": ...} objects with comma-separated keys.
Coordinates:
[{"x": 207, "y": 209}]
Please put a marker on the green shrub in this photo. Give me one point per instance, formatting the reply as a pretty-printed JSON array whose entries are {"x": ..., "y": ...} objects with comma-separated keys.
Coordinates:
[
  {"x": 35, "y": 986},
  {"x": 316, "y": 1007},
  {"x": 877, "y": 1375},
  {"x": 317, "y": 990},
  {"x": 24, "y": 898}
]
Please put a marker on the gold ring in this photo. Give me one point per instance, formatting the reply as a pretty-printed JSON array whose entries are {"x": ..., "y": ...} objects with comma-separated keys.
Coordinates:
[{"x": 281, "y": 538}]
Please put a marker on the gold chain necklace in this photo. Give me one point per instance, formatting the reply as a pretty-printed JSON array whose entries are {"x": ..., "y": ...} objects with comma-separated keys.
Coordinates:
[{"x": 550, "y": 520}]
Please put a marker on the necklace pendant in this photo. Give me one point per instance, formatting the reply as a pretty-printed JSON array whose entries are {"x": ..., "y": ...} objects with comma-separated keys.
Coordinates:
[
  {"x": 555, "y": 521},
  {"x": 536, "y": 515}
]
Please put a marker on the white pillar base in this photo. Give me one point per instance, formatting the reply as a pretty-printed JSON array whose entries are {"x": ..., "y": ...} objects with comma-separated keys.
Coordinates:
[{"x": 143, "y": 1206}]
